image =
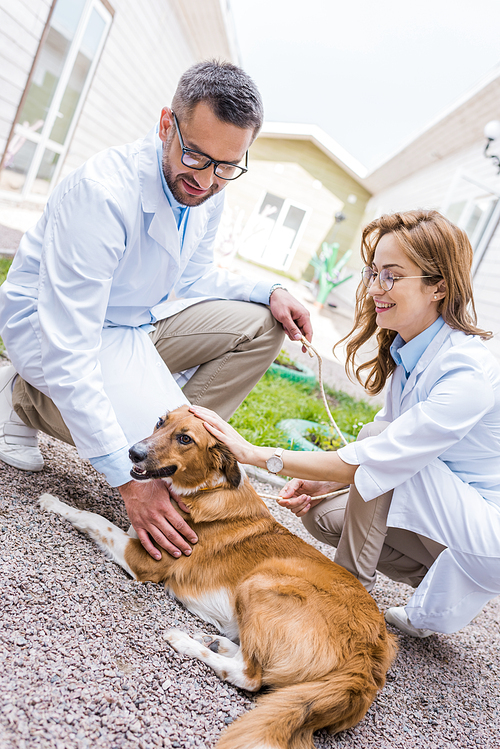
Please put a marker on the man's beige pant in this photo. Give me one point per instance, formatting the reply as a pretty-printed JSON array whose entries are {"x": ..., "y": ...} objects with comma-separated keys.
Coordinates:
[
  {"x": 231, "y": 343},
  {"x": 364, "y": 543}
]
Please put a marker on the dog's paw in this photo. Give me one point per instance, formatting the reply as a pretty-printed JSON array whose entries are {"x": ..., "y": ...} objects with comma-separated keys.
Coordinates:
[
  {"x": 209, "y": 641},
  {"x": 217, "y": 644},
  {"x": 51, "y": 504},
  {"x": 183, "y": 643}
]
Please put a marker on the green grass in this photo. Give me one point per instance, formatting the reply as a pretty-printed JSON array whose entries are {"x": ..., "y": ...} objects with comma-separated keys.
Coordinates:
[
  {"x": 5, "y": 264},
  {"x": 275, "y": 398}
]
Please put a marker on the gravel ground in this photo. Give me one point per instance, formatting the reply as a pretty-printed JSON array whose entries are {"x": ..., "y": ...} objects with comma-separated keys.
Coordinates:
[
  {"x": 9, "y": 239},
  {"x": 84, "y": 663}
]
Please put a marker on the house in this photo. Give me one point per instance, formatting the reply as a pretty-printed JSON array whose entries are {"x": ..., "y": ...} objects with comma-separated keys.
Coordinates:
[
  {"x": 77, "y": 76},
  {"x": 299, "y": 179},
  {"x": 443, "y": 167}
]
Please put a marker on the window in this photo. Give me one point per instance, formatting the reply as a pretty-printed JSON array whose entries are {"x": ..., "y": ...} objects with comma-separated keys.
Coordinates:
[
  {"x": 56, "y": 90},
  {"x": 273, "y": 232},
  {"x": 473, "y": 216},
  {"x": 470, "y": 205}
]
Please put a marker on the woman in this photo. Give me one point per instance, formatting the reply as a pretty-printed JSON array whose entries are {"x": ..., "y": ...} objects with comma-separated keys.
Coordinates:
[{"x": 424, "y": 502}]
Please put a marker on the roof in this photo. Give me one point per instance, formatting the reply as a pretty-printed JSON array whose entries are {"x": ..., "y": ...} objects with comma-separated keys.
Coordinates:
[
  {"x": 317, "y": 136},
  {"x": 457, "y": 126}
]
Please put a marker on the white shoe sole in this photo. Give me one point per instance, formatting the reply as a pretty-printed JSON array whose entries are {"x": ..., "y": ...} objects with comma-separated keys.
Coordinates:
[
  {"x": 23, "y": 465},
  {"x": 398, "y": 618},
  {"x": 18, "y": 443}
]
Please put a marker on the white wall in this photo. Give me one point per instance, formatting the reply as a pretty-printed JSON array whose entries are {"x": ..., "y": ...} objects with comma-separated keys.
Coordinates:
[
  {"x": 438, "y": 184},
  {"x": 21, "y": 26},
  {"x": 149, "y": 45},
  {"x": 145, "y": 54},
  {"x": 487, "y": 291}
]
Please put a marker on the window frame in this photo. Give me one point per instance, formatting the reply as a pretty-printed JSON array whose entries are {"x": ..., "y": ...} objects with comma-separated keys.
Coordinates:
[
  {"x": 252, "y": 226},
  {"x": 41, "y": 139}
]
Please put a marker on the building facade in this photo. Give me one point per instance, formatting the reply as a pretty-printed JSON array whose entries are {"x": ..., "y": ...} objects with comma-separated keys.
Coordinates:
[
  {"x": 78, "y": 76},
  {"x": 285, "y": 207}
]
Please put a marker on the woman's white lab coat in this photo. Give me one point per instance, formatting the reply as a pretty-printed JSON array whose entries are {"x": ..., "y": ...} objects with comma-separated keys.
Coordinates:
[{"x": 441, "y": 455}]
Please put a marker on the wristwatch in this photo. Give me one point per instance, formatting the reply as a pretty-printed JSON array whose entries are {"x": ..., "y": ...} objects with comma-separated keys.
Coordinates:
[
  {"x": 273, "y": 289},
  {"x": 275, "y": 462}
]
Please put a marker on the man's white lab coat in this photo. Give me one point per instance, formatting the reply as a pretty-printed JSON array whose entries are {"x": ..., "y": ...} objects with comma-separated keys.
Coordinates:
[{"x": 104, "y": 260}]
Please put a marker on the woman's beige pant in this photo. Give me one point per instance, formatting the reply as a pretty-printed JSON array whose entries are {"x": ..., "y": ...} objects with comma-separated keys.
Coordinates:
[{"x": 364, "y": 543}]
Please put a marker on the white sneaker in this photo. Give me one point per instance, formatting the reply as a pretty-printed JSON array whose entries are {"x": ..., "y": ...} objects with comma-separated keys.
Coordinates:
[
  {"x": 398, "y": 617},
  {"x": 18, "y": 443}
]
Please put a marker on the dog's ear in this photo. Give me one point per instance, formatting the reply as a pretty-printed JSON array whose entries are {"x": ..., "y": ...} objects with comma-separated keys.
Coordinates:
[{"x": 226, "y": 463}]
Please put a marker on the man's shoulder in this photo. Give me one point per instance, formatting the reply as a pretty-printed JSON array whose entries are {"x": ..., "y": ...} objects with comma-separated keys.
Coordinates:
[
  {"x": 112, "y": 167},
  {"x": 114, "y": 170}
]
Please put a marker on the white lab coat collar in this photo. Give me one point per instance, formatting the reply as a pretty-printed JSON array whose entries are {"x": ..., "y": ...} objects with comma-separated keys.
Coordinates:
[
  {"x": 429, "y": 354},
  {"x": 163, "y": 228}
]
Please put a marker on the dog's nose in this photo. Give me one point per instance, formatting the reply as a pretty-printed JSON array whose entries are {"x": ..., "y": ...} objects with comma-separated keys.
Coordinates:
[{"x": 138, "y": 452}]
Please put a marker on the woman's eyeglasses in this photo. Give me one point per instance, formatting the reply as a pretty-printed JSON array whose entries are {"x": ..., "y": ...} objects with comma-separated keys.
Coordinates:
[{"x": 386, "y": 277}]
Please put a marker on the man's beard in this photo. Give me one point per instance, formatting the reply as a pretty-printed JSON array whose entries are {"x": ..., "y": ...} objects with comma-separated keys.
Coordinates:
[{"x": 174, "y": 184}]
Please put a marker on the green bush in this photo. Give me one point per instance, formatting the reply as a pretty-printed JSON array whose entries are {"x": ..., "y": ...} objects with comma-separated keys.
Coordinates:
[{"x": 5, "y": 264}]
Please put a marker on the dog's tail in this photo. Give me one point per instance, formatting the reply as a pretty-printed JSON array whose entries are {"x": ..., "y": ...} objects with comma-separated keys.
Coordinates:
[{"x": 288, "y": 717}]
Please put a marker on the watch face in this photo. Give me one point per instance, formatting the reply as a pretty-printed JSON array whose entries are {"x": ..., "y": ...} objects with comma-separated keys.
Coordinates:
[{"x": 274, "y": 464}]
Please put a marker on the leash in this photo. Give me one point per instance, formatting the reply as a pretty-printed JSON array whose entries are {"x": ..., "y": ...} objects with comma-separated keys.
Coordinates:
[
  {"x": 319, "y": 496},
  {"x": 273, "y": 496},
  {"x": 311, "y": 351}
]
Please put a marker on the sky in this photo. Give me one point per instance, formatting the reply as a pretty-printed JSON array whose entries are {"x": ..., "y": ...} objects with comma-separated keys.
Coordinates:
[{"x": 370, "y": 73}]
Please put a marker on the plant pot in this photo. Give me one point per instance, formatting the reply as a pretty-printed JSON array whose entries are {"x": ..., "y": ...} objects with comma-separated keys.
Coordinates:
[
  {"x": 301, "y": 374},
  {"x": 295, "y": 429}
]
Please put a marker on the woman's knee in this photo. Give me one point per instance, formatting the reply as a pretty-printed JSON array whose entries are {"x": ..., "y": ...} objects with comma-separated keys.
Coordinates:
[{"x": 325, "y": 521}]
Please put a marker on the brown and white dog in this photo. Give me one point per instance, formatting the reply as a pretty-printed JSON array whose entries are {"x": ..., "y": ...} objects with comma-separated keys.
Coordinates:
[{"x": 294, "y": 621}]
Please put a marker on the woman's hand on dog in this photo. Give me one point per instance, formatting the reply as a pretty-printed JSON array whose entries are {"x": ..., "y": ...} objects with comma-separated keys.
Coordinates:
[
  {"x": 298, "y": 495},
  {"x": 152, "y": 515},
  {"x": 243, "y": 451}
]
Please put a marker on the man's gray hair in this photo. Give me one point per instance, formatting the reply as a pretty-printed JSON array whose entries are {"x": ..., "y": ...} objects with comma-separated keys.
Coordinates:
[{"x": 230, "y": 92}]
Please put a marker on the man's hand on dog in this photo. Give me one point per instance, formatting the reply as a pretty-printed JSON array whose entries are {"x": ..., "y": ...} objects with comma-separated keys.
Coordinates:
[
  {"x": 294, "y": 317},
  {"x": 152, "y": 515}
]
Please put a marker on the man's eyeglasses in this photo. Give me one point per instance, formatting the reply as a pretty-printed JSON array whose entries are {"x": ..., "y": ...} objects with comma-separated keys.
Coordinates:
[
  {"x": 199, "y": 161},
  {"x": 385, "y": 278}
]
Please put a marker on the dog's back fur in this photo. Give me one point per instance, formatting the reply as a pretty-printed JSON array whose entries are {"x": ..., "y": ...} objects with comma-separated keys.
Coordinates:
[{"x": 307, "y": 628}]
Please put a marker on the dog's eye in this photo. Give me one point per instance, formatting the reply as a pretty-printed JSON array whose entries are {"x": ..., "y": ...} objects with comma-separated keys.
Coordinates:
[
  {"x": 159, "y": 423},
  {"x": 184, "y": 439}
]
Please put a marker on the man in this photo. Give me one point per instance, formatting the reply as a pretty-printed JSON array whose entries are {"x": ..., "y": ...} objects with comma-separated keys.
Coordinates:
[{"x": 115, "y": 288}]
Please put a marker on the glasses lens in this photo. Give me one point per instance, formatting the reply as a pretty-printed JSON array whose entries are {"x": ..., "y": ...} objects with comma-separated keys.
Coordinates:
[
  {"x": 367, "y": 276},
  {"x": 228, "y": 171},
  {"x": 386, "y": 279},
  {"x": 195, "y": 160}
]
